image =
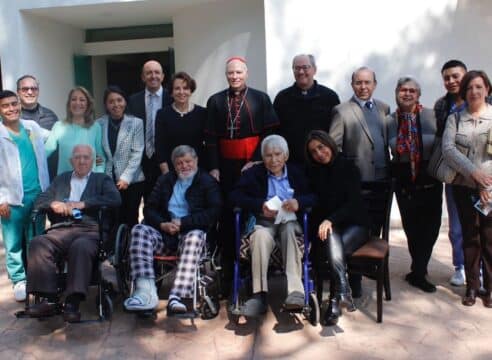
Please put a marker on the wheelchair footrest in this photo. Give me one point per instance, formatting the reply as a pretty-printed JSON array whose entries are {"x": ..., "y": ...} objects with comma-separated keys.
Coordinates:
[{"x": 186, "y": 315}]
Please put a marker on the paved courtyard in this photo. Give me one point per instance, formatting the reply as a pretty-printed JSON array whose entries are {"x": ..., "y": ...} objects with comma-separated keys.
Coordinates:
[{"x": 416, "y": 326}]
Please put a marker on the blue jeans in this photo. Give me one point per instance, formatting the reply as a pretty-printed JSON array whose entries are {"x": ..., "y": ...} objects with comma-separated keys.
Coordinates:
[{"x": 454, "y": 234}]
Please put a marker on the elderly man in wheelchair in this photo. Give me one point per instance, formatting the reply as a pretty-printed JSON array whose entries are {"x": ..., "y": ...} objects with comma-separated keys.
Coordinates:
[
  {"x": 273, "y": 192},
  {"x": 72, "y": 201},
  {"x": 182, "y": 207}
]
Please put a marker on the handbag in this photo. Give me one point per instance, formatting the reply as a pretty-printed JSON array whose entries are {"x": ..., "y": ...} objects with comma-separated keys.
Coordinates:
[{"x": 438, "y": 167}]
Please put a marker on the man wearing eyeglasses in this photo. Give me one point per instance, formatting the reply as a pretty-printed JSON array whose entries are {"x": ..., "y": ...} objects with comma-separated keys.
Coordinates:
[
  {"x": 31, "y": 109},
  {"x": 28, "y": 91},
  {"x": 304, "y": 106}
]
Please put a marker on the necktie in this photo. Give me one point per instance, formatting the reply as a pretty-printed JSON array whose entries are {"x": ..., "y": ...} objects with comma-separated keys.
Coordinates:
[
  {"x": 149, "y": 129},
  {"x": 369, "y": 105}
]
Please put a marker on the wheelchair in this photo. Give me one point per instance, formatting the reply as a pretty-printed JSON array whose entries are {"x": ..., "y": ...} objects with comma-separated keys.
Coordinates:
[
  {"x": 242, "y": 279},
  {"x": 205, "y": 301},
  {"x": 104, "y": 302}
]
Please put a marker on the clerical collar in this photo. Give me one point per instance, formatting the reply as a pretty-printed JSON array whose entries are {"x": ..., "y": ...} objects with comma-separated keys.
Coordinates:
[
  {"x": 234, "y": 93},
  {"x": 309, "y": 92}
]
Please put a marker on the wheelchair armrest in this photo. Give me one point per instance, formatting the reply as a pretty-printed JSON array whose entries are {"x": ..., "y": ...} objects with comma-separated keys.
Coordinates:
[{"x": 36, "y": 213}]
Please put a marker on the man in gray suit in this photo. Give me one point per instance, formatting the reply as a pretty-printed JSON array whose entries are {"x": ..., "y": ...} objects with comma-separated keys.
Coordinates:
[
  {"x": 359, "y": 129},
  {"x": 73, "y": 200}
]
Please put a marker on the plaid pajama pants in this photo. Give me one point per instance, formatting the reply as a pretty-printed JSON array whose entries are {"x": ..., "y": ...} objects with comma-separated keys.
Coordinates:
[{"x": 146, "y": 241}]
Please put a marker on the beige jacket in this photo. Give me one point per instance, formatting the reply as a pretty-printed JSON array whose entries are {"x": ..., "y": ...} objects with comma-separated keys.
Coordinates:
[{"x": 464, "y": 145}]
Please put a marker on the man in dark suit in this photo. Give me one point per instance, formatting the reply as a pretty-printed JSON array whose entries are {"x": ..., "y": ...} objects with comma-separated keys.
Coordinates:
[
  {"x": 145, "y": 105},
  {"x": 73, "y": 200},
  {"x": 359, "y": 129},
  {"x": 304, "y": 106}
]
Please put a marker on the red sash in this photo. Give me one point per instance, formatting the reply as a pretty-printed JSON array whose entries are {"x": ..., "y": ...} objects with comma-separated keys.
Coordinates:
[{"x": 239, "y": 149}]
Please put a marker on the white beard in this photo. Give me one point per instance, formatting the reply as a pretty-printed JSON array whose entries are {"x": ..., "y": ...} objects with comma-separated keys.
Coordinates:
[{"x": 188, "y": 175}]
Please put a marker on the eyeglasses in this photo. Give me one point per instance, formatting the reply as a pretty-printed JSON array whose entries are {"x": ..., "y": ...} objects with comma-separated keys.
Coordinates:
[
  {"x": 302, "y": 67},
  {"x": 25, "y": 89},
  {"x": 408, "y": 90}
]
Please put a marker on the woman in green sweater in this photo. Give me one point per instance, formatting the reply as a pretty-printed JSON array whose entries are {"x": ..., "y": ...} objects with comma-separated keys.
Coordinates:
[{"x": 78, "y": 128}]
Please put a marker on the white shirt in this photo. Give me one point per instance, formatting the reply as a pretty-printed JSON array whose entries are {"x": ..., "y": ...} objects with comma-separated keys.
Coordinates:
[
  {"x": 156, "y": 98},
  {"x": 77, "y": 186}
]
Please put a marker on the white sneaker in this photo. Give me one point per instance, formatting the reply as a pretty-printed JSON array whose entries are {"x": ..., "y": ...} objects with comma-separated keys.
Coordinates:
[
  {"x": 458, "y": 278},
  {"x": 20, "y": 291}
]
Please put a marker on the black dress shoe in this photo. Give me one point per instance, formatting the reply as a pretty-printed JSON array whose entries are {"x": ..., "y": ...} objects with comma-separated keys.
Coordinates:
[
  {"x": 469, "y": 298},
  {"x": 486, "y": 299},
  {"x": 42, "y": 309},
  {"x": 420, "y": 283},
  {"x": 332, "y": 313},
  {"x": 71, "y": 313}
]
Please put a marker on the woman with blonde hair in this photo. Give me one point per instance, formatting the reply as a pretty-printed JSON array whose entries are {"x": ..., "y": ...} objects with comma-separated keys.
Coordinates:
[{"x": 79, "y": 127}]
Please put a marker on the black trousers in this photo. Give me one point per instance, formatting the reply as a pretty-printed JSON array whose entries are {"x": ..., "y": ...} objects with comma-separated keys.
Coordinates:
[
  {"x": 477, "y": 238},
  {"x": 341, "y": 243},
  {"x": 130, "y": 203},
  {"x": 420, "y": 211},
  {"x": 151, "y": 170},
  {"x": 77, "y": 244}
]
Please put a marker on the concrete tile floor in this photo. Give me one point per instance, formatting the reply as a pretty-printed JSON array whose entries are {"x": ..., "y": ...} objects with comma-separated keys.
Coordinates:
[{"x": 416, "y": 326}]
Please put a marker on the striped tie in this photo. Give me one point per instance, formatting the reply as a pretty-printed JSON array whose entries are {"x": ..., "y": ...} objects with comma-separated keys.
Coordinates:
[{"x": 149, "y": 129}]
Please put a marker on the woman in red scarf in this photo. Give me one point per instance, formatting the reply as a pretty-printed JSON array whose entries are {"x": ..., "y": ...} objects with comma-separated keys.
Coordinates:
[{"x": 411, "y": 134}]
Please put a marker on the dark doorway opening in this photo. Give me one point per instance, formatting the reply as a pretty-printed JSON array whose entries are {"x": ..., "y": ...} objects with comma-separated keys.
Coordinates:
[{"x": 124, "y": 70}]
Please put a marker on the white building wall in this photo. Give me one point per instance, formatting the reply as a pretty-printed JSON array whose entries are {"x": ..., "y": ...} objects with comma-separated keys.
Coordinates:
[
  {"x": 394, "y": 38},
  {"x": 39, "y": 47},
  {"x": 206, "y": 35}
]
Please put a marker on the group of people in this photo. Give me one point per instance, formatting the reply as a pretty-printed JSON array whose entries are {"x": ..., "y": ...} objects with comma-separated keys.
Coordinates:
[{"x": 192, "y": 165}]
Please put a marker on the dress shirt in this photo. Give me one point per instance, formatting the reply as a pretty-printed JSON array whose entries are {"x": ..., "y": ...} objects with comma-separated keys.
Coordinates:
[
  {"x": 279, "y": 185},
  {"x": 178, "y": 206},
  {"x": 77, "y": 186}
]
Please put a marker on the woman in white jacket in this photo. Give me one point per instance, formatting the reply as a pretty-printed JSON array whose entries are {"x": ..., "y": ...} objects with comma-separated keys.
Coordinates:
[{"x": 23, "y": 175}]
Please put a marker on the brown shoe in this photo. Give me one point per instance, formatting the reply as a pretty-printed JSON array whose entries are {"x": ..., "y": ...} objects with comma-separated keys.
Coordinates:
[
  {"x": 42, "y": 309},
  {"x": 487, "y": 299},
  {"x": 469, "y": 298},
  {"x": 71, "y": 313}
]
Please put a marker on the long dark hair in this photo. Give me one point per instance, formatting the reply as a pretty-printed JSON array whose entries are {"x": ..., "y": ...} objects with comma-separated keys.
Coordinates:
[
  {"x": 117, "y": 90},
  {"x": 324, "y": 138}
]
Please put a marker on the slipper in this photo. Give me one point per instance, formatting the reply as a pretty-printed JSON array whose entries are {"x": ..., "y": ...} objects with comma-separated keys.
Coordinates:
[
  {"x": 175, "y": 306},
  {"x": 141, "y": 301}
]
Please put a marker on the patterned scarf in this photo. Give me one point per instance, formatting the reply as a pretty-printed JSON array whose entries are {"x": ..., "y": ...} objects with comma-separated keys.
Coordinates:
[{"x": 408, "y": 139}]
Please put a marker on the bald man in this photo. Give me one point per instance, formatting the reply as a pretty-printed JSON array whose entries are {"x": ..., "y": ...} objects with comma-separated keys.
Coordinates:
[
  {"x": 238, "y": 119},
  {"x": 145, "y": 105}
]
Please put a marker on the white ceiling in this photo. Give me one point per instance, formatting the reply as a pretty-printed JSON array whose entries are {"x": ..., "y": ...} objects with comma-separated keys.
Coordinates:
[{"x": 115, "y": 14}]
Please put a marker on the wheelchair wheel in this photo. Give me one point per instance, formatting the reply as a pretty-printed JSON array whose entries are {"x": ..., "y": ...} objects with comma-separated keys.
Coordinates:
[
  {"x": 313, "y": 313},
  {"x": 209, "y": 308},
  {"x": 122, "y": 260},
  {"x": 107, "y": 306}
]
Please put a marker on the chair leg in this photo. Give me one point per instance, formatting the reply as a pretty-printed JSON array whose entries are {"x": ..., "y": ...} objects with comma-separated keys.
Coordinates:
[
  {"x": 379, "y": 292},
  {"x": 387, "y": 285}
]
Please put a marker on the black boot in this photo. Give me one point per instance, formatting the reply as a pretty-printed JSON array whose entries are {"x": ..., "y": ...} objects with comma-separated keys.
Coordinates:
[{"x": 332, "y": 313}]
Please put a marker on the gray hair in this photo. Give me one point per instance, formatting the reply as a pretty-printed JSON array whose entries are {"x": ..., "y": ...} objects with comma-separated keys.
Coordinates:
[
  {"x": 406, "y": 79},
  {"x": 363, "y": 68},
  {"x": 86, "y": 146},
  {"x": 182, "y": 150},
  {"x": 27, "y": 76},
  {"x": 311, "y": 58},
  {"x": 274, "y": 141}
]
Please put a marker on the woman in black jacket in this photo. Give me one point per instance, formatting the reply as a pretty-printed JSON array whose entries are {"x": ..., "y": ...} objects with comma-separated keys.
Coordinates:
[{"x": 340, "y": 213}]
